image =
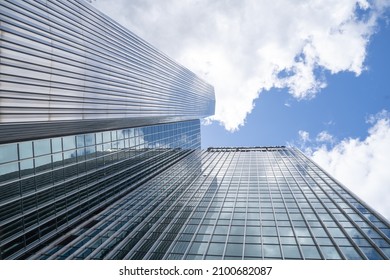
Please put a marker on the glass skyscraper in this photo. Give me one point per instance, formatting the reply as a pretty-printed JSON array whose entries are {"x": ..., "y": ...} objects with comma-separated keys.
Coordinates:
[
  {"x": 231, "y": 203},
  {"x": 88, "y": 113},
  {"x": 100, "y": 158}
]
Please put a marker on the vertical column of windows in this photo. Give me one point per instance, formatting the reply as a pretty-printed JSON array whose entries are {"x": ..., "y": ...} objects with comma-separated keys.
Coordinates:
[
  {"x": 316, "y": 214},
  {"x": 209, "y": 232},
  {"x": 271, "y": 237},
  {"x": 288, "y": 214},
  {"x": 359, "y": 229},
  {"x": 252, "y": 243},
  {"x": 233, "y": 248}
]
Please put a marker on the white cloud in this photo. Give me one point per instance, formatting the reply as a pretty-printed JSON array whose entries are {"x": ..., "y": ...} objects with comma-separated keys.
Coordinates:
[
  {"x": 372, "y": 119},
  {"x": 304, "y": 136},
  {"x": 308, "y": 145},
  {"x": 245, "y": 47},
  {"x": 325, "y": 136},
  {"x": 363, "y": 165}
]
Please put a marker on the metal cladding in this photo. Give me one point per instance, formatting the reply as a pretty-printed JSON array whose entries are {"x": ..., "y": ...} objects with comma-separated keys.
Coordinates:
[{"x": 66, "y": 67}]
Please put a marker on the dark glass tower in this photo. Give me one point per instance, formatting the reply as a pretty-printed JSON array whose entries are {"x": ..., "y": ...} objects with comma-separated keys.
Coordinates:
[{"x": 232, "y": 203}]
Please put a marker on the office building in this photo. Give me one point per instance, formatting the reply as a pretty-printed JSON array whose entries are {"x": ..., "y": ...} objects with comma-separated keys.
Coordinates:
[
  {"x": 232, "y": 203},
  {"x": 88, "y": 112},
  {"x": 100, "y": 158}
]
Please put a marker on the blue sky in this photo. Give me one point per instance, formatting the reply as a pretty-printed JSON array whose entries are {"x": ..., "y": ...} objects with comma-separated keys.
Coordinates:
[
  {"x": 341, "y": 108},
  {"x": 308, "y": 73}
]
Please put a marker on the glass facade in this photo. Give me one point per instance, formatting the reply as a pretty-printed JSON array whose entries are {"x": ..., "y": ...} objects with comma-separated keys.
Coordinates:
[
  {"x": 49, "y": 185},
  {"x": 231, "y": 203}
]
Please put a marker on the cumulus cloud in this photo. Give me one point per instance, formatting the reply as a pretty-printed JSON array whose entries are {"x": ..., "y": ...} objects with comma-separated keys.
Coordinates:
[
  {"x": 246, "y": 47},
  {"x": 362, "y": 164}
]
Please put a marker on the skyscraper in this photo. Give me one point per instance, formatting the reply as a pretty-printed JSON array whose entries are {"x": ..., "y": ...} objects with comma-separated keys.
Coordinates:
[
  {"x": 100, "y": 158},
  {"x": 232, "y": 203},
  {"x": 88, "y": 112}
]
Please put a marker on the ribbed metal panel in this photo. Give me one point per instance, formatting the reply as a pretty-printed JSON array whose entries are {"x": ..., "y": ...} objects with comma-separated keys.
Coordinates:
[{"x": 66, "y": 61}]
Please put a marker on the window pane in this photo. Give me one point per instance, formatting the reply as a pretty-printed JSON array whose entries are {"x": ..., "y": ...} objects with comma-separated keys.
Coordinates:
[
  {"x": 272, "y": 251},
  {"x": 26, "y": 167},
  {"x": 42, "y": 147},
  {"x": 350, "y": 253},
  {"x": 56, "y": 145},
  {"x": 286, "y": 231},
  {"x": 319, "y": 232},
  {"x": 219, "y": 238},
  {"x": 270, "y": 240},
  {"x": 252, "y": 250},
  {"x": 233, "y": 249},
  {"x": 8, "y": 153},
  {"x": 336, "y": 232},
  {"x": 198, "y": 248},
  {"x": 69, "y": 142},
  {"x": 269, "y": 231},
  {"x": 106, "y": 136},
  {"x": 237, "y": 230},
  {"x": 9, "y": 171},
  {"x": 330, "y": 253},
  {"x": 302, "y": 232},
  {"x": 180, "y": 247},
  {"x": 310, "y": 252},
  {"x": 216, "y": 249},
  {"x": 236, "y": 238},
  {"x": 89, "y": 139},
  {"x": 253, "y": 239},
  {"x": 288, "y": 240},
  {"x": 80, "y": 141},
  {"x": 25, "y": 149},
  {"x": 291, "y": 252},
  {"x": 221, "y": 229},
  {"x": 252, "y": 231},
  {"x": 42, "y": 163}
]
